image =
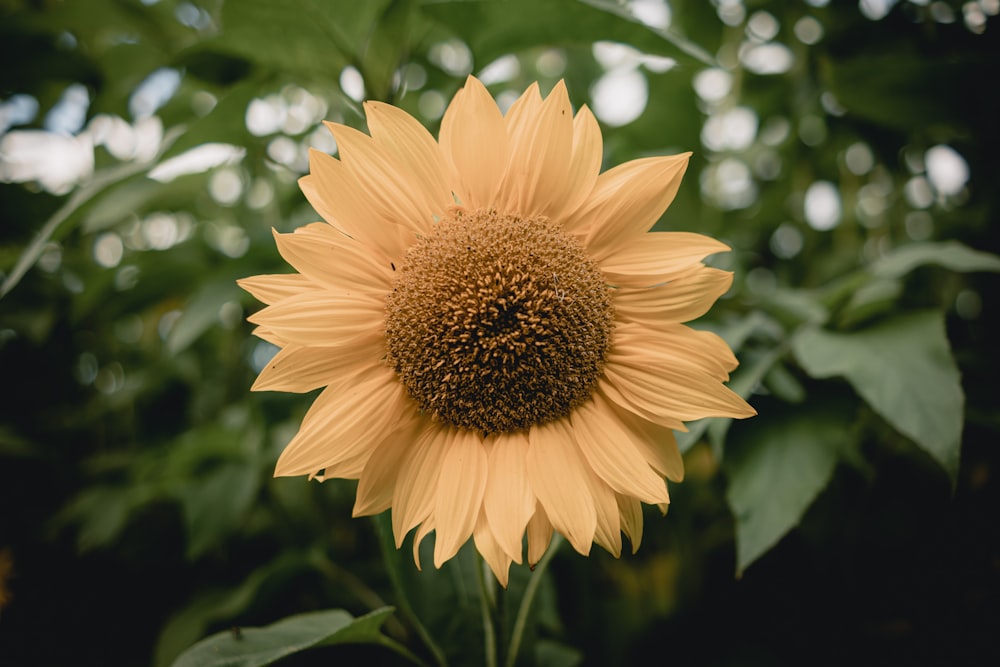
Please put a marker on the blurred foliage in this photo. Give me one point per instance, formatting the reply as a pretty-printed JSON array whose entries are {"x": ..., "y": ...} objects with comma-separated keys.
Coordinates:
[{"x": 847, "y": 151}]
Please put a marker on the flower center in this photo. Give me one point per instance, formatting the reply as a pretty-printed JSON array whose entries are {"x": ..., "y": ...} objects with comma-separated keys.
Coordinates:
[{"x": 498, "y": 322}]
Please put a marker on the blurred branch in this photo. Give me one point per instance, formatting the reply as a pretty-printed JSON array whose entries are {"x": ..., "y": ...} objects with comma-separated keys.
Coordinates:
[{"x": 100, "y": 182}]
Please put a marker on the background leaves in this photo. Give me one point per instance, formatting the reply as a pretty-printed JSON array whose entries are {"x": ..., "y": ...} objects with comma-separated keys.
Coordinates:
[{"x": 848, "y": 156}]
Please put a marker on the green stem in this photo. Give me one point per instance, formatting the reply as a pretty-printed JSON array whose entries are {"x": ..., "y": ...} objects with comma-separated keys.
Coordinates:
[
  {"x": 390, "y": 556},
  {"x": 489, "y": 629},
  {"x": 529, "y": 596}
]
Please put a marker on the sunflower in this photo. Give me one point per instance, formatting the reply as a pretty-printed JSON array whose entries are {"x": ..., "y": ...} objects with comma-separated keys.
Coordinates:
[{"x": 500, "y": 338}]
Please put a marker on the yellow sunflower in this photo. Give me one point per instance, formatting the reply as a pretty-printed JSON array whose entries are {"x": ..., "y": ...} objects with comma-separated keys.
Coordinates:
[{"x": 500, "y": 337}]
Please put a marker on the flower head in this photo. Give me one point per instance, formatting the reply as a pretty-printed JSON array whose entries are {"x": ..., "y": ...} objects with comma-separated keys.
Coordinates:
[{"x": 500, "y": 338}]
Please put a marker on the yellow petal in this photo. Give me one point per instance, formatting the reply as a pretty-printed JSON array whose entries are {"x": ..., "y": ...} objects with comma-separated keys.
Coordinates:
[
  {"x": 416, "y": 486},
  {"x": 268, "y": 334},
  {"x": 383, "y": 182},
  {"x": 658, "y": 256},
  {"x": 414, "y": 148},
  {"x": 675, "y": 345},
  {"x": 611, "y": 453},
  {"x": 559, "y": 480},
  {"x": 539, "y": 534},
  {"x": 329, "y": 258},
  {"x": 656, "y": 443},
  {"x": 509, "y": 502},
  {"x": 662, "y": 390},
  {"x": 322, "y": 318},
  {"x": 459, "y": 496},
  {"x": 608, "y": 533},
  {"x": 630, "y": 511},
  {"x": 584, "y": 167},
  {"x": 333, "y": 191},
  {"x": 541, "y": 146},
  {"x": 275, "y": 287},
  {"x": 474, "y": 145},
  {"x": 683, "y": 299},
  {"x": 636, "y": 406},
  {"x": 299, "y": 369},
  {"x": 423, "y": 531},
  {"x": 487, "y": 545},
  {"x": 339, "y": 423},
  {"x": 378, "y": 479},
  {"x": 627, "y": 201}
]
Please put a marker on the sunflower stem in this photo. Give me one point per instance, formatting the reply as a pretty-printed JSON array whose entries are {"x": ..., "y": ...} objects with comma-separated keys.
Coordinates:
[
  {"x": 517, "y": 635},
  {"x": 486, "y": 597},
  {"x": 390, "y": 556}
]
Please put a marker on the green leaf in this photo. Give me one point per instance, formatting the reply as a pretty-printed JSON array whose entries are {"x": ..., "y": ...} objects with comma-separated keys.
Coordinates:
[
  {"x": 949, "y": 254},
  {"x": 201, "y": 312},
  {"x": 320, "y": 37},
  {"x": 870, "y": 300},
  {"x": 493, "y": 29},
  {"x": 904, "y": 369},
  {"x": 216, "y": 504},
  {"x": 253, "y": 647},
  {"x": 776, "y": 468},
  {"x": 214, "y": 605}
]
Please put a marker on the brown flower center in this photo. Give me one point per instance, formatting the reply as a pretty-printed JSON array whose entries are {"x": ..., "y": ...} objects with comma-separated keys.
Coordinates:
[{"x": 498, "y": 322}]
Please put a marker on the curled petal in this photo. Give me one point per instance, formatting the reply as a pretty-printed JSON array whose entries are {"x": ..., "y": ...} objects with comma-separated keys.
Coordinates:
[
  {"x": 496, "y": 557},
  {"x": 658, "y": 257},
  {"x": 685, "y": 298}
]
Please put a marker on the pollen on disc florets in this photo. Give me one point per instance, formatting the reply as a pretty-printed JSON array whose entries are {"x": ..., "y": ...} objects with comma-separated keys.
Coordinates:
[{"x": 498, "y": 322}]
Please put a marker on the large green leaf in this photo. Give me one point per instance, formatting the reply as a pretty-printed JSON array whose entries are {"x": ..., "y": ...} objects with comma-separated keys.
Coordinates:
[
  {"x": 949, "y": 254},
  {"x": 319, "y": 37},
  {"x": 495, "y": 28},
  {"x": 776, "y": 468},
  {"x": 253, "y": 647},
  {"x": 904, "y": 369}
]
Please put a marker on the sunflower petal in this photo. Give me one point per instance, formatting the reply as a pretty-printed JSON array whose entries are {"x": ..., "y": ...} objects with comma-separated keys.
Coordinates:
[
  {"x": 558, "y": 478},
  {"x": 322, "y": 318},
  {"x": 627, "y": 200},
  {"x": 541, "y": 145},
  {"x": 298, "y": 368},
  {"x": 584, "y": 167},
  {"x": 658, "y": 256},
  {"x": 630, "y": 511},
  {"x": 474, "y": 144},
  {"x": 329, "y": 258},
  {"x": 608, "y": 533},
  {"x": 487, "y": 545},
  {"x": 414, "y": 148},
  {"x": 657, "y": 444},
  {"x": 333, "y": 191},
  {"x": 539, "y": 533},
  {"x": 459, "y": 493},
  {"x": 683, "y": 299},
  {"x": 675, "y": 345},
  {"x": 337, "y": 425},
  {"x": 377, "y": 481},
  {"x": 413, "y": 497},
  {"x": 272, "y": 288},
  {"x": 682, "y": 395},
  {"x": 394, "y": 194},
  {"x": 509, "y": 502},
  {"x": 612, "y": 455}
]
